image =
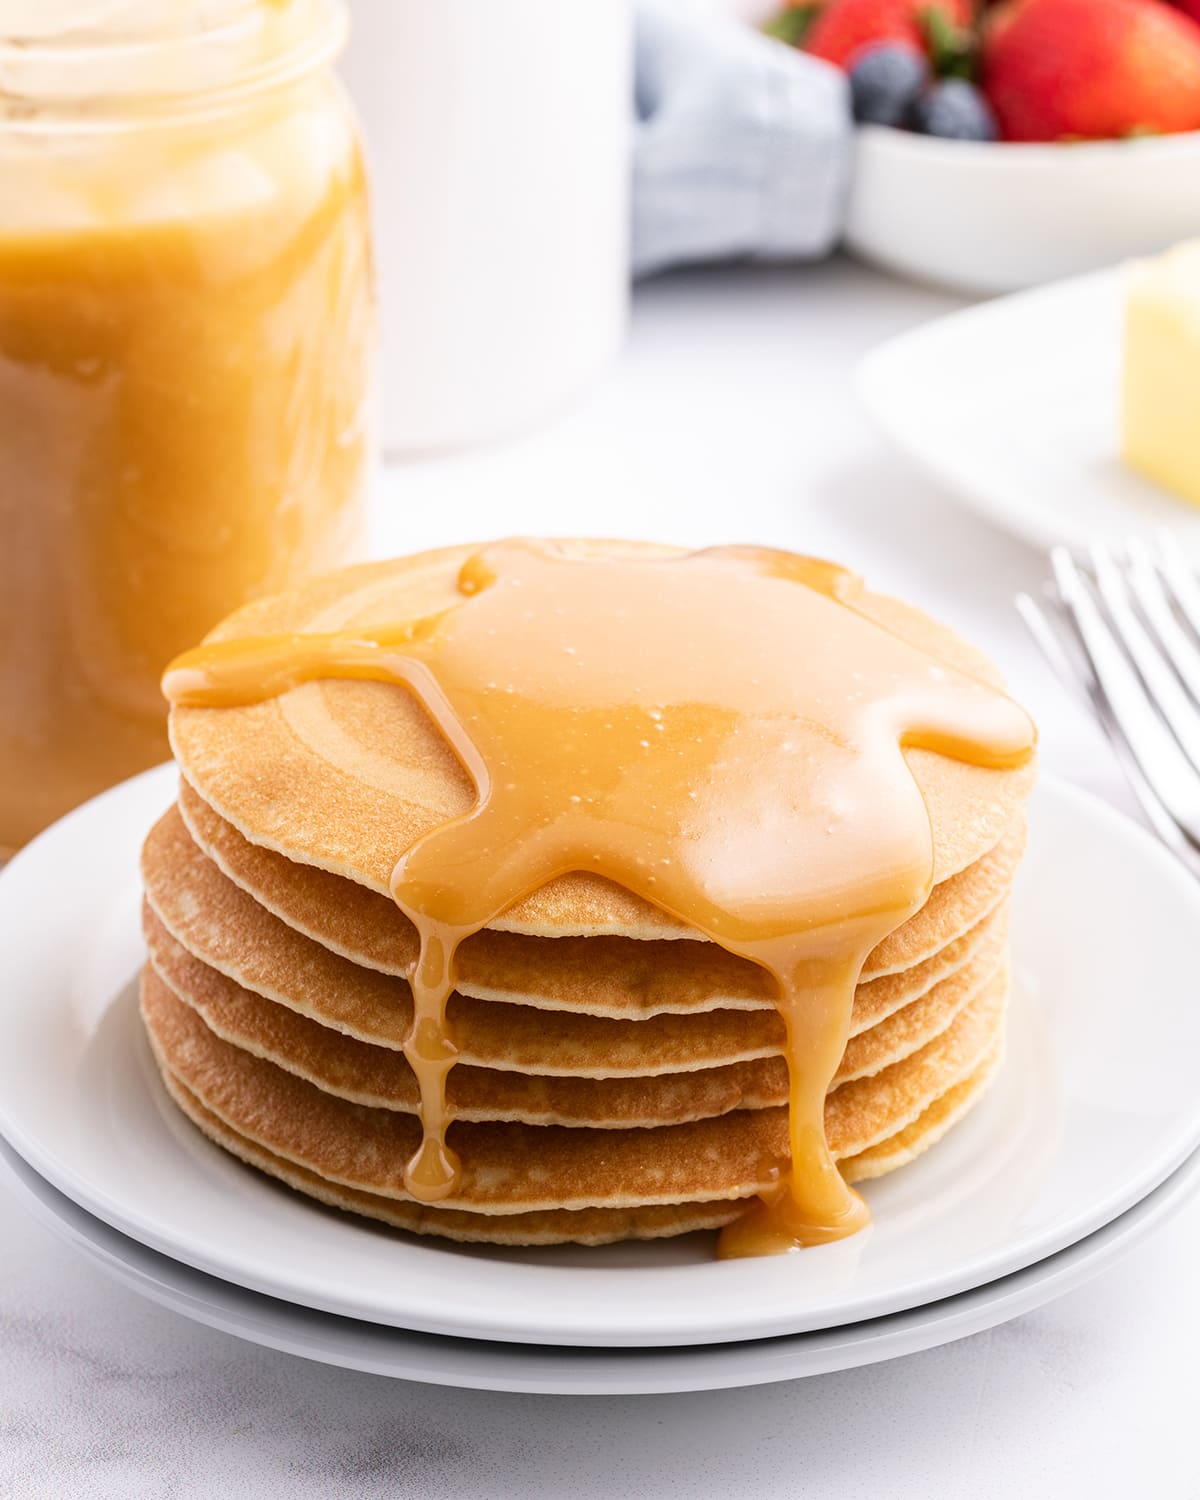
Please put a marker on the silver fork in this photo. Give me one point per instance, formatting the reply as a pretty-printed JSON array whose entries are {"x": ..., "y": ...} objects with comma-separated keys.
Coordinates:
[{"x": 1121, "y": 628}]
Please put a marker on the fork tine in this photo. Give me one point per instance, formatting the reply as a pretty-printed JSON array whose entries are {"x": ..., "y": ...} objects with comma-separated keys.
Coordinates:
[
  {"x": 1155, "y": 750},
  {"x": 1180, "y": 578},
  {"x": 1071, "y": 668},
  {"x": 1154, "y": 600},
  {"x": 1162, "y": 685},
  {"x": 1059, "y": 644}
]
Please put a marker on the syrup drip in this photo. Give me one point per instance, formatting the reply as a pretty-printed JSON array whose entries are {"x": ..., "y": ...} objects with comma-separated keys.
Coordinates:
[{"x": 720, "y": 733}]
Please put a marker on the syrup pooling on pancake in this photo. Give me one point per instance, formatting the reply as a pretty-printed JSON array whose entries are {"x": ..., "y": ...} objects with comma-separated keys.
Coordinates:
[{"x": 719, "y": 733}]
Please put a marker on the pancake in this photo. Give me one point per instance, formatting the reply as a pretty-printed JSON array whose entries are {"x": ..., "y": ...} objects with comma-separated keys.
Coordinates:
[
  {"x": 382, "y": 1078},
  {"x": 929, "y": 1126},
  {"x": 604, "y": 976},
  {"x": 587, "y": 1226},
  {"x": 513, "y": 1168},
  {"x": 212, "y": 921},
  {"x": 611, "y": 977},
  {"x": 344, "y": 775}
]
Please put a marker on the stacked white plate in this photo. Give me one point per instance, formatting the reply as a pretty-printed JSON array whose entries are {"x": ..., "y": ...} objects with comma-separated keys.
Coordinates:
[{"x": 1086, "y": 1143}]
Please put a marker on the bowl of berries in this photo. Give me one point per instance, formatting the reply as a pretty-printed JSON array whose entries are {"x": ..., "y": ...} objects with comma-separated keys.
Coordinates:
[{"x": 1006, "y": 144}]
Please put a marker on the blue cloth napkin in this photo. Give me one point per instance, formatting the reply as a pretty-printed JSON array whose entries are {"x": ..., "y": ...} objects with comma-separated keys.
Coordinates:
[{"x": 742, "y": 146}]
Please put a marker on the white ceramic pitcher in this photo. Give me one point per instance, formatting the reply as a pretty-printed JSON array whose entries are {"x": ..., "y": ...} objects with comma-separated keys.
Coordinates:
[{"x": 499, "y": 139}]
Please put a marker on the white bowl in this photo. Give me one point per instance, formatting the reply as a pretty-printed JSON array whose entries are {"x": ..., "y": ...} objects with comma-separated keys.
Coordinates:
[{"x": 994, "y": 218}]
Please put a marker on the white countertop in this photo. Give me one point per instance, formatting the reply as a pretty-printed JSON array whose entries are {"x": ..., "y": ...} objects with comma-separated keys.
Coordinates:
[{"x": 731, "y": 417}]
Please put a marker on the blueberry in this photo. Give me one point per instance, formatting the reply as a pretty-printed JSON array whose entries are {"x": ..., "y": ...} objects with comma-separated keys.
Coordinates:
[
  {"x": 956, "y": 111},
  {"x": 885, "y": 80}
]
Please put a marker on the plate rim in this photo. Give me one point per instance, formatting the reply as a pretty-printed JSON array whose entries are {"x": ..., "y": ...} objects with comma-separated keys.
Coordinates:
[
  {"x": 894, "y": 1336},
  {"x": 300, "y": 1287}
]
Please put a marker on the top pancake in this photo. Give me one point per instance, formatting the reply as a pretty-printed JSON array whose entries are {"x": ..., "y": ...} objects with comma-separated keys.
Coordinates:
[{"x": 345, "y": 776}]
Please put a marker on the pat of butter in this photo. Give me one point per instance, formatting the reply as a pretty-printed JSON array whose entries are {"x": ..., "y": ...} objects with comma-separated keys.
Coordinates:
[{"x": 1160, "y": 391}]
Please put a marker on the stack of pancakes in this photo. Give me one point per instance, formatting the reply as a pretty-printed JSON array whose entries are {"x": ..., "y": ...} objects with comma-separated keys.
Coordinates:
[{"x": 617, "y": 1076}]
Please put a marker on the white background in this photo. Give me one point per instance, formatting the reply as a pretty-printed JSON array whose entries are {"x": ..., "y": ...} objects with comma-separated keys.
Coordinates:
[{"x": 731, "y": 417}]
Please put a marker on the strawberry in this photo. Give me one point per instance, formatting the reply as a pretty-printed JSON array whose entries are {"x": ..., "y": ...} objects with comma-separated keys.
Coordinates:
[
  {"x": 1093, "y": 69},
  {"x": 843, "y": 27}
]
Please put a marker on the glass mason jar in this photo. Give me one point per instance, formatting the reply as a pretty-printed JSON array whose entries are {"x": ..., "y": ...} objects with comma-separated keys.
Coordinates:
[{"x": 186, "y": 326}]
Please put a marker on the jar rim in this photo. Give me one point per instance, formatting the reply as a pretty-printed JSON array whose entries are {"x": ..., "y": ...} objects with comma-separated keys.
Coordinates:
[{"x": 86, "y": 80}]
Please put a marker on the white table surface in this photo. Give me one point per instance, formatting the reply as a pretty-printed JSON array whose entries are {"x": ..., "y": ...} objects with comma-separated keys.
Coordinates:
[{"x": 731, "y": 417}]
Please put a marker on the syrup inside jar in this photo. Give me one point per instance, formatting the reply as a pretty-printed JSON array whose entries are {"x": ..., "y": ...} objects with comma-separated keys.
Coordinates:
[{"x": 185, "y": 348}]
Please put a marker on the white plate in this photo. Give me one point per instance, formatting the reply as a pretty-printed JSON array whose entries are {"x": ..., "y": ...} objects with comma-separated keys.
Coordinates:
[
  {"x": 587, "y": 1372},
  {"x": 1096, "y": 1106},
  {"x": 1013, "y": 407}
]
